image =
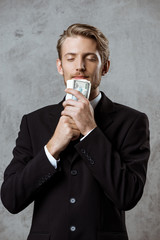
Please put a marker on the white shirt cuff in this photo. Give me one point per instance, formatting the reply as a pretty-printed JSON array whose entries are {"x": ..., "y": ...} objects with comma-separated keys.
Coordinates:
[
  {"x": 51, "y": 159},
  {"x": 86, "y": 134}
]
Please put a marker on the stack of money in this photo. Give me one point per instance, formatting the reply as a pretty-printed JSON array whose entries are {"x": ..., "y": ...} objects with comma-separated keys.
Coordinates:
[{"x": 81, "y": 85}]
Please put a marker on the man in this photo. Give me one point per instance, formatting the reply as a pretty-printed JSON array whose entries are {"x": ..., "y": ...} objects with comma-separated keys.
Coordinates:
[{"x": 84, "y": 162}]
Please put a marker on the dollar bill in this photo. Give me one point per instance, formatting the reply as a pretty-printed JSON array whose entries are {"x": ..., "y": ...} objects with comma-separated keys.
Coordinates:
[{"x": 81, "y": 85}]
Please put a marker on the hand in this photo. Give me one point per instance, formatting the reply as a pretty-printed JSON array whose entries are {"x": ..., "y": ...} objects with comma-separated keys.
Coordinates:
[
  {"x": 65, "y": 132},
  {"x": 80, "y": 111}
]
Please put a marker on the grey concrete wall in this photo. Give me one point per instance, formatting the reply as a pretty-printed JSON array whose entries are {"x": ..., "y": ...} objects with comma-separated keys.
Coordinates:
[{"x": 29, "y": 30}]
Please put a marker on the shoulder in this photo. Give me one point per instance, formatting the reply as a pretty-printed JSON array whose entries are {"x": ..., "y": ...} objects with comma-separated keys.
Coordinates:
[
  {"x": 117, "y": 108},
  {"x": 131, "y": 115},
  {"x": 45, "y": 110},
  {"x": 130, "y": 118},
  {"x": 44, "y": 113},
  {"x": 127, "y": 111},
  {"x": 121, "y": 114}
]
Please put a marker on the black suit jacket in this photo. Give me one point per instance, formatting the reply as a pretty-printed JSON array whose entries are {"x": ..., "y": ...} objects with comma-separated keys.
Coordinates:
[{"x": 97, "y": 178}]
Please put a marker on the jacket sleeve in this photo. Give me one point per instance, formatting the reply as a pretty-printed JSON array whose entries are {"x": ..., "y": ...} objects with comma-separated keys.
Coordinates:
[
  {"x": 120, "y": 171},
  {"x": 26, "y": 174}
]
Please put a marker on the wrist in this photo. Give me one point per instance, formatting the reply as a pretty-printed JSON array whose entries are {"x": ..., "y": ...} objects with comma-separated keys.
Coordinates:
[
  {"x": 53, "y": 150},
  {"x": 87, "y": 131}
]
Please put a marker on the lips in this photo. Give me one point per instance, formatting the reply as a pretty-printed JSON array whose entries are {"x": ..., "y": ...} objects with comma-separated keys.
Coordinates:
[{"x": 79, "y": 77}]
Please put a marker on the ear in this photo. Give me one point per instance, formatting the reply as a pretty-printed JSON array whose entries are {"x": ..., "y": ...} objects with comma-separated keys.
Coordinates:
[
  {"x": 59, "y": 66},
  {"x": 105, "y": 68}
]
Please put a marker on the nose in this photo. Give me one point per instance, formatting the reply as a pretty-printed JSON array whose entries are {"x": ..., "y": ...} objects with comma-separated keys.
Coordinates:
[{"x": 80, "y": 66}]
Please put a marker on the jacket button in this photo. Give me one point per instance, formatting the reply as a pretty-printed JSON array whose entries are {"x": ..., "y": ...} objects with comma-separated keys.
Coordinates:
[
  {"x": 72, "y": 200},
  {"x": 73, "y": 228},
  {"x": 92, "y": 162},
  {"x": 83, "y": 150},
  {"x": 74, "y": 172}
]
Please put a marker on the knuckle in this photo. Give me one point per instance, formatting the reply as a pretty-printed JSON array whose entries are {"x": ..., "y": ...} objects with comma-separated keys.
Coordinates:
[
  {"x": 82, "y": 105},
  {"x": 63, "y": 119},
  {"x": 87, "y": 102}
]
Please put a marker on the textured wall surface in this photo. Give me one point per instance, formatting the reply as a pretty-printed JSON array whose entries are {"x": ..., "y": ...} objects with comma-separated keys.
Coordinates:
[{"x": 29, "y": 30}]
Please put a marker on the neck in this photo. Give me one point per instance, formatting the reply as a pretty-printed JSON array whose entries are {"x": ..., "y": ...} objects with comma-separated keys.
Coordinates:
[{"x": 94, "y": 93}]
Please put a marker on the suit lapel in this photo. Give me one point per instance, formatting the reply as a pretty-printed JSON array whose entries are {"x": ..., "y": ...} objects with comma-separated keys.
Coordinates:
[
  {"x": 103, "y": 112},
  {"x": 55, "y": 115}
]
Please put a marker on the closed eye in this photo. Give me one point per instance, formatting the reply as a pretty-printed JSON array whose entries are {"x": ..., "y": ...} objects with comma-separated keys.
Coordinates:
[
  {"x": 92, "y": 59},
  {"x": 70, "y": 59}
]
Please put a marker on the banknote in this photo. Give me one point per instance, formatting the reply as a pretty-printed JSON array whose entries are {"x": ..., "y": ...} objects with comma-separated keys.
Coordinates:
[{"x": 81, "y": 85}]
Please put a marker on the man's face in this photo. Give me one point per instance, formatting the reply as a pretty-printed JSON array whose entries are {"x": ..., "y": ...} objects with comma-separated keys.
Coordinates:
[{"x": 81, "y": 60}]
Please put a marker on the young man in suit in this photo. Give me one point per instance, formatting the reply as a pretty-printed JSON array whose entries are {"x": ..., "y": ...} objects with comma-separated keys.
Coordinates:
[{"x": 84, "y": 162}]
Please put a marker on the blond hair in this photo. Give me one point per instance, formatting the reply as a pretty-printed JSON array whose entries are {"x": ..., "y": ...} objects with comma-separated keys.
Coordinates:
[{"x": 87, "y": 31}]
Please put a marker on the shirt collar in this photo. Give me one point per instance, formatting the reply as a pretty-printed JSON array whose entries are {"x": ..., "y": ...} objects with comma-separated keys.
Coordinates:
[{"x": 96, "y": 100}]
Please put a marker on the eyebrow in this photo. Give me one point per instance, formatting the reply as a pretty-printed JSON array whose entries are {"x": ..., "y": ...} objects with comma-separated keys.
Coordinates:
[
  {"x": 69, "y": 54},
  {"x": 86, "y": 54}
]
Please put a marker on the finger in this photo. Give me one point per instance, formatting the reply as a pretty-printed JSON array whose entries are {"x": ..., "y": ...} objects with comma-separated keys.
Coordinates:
[
  {"x": 70, "y": 121},
  {"x": 76, "y": 93},
  {"x": 66, "y": 119},
  {"x": 71, "y": 102},
  {"x": 68, "y": 113},
  {"x": 74, "y": 127},
  {"x": 76, "y": 134}
]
